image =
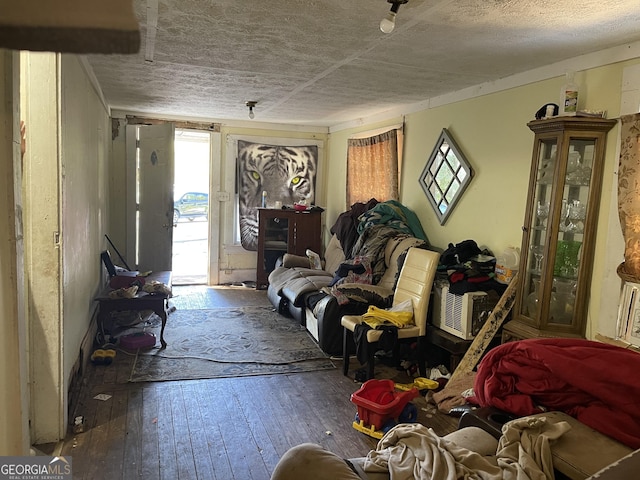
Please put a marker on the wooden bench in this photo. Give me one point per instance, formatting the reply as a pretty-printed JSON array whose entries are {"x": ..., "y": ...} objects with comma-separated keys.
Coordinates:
[{"x": 157, "y": 302}]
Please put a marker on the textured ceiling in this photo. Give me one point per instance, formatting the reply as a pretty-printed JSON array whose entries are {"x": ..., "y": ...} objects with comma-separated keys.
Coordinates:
[{"x": 325, "y": 62}]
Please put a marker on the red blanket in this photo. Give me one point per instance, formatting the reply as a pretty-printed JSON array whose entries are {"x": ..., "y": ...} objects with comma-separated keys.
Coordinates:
[{"x": 597, "y": 383}]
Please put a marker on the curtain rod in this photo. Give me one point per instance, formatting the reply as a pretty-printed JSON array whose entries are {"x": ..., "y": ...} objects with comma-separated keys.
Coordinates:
[{"x": 377, "y": 131}]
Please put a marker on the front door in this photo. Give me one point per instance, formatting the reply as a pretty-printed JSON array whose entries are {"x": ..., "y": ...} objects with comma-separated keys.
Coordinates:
[
  {"x": 191, "y": 213},
  {"x": 155, "y": 152}
]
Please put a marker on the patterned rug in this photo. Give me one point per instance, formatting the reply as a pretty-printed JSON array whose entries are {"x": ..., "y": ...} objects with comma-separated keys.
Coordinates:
[{"x": 229, "y": 342}]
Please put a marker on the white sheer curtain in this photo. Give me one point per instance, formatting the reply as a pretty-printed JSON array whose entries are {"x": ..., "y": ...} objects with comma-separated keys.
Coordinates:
[{"x": 373, "y": 167}]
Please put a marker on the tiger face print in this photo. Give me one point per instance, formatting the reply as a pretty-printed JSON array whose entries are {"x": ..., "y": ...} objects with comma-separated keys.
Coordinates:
[{"x": 287, "y": 174}]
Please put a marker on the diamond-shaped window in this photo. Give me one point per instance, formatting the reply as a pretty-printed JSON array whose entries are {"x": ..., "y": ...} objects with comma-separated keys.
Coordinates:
[{"x": 445, "y": 176}]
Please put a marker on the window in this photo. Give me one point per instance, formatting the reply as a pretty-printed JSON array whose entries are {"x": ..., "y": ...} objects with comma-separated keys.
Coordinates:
[
  {"x": 373, "y": 167},
  {"x": 445, "y": 176}
]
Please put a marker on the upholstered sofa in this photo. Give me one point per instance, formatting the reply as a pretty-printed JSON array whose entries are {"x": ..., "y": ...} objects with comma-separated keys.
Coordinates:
[
  {"x": 579, "y": 453},
  {"x": 304, "y": 293}
]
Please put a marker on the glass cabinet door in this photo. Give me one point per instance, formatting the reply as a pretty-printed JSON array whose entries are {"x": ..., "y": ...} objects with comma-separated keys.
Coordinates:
[
  {"x": 275, "y": 242},
  {"x": 542, "y": 208},
  {"x": 574, "y": 202},
  {"x": 559, "y": 229}
]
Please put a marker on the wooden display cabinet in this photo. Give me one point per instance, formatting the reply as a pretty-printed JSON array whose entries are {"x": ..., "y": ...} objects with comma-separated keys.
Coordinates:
[
  {"x": 285, "y": 231},
  {"x": 559, "y": 231}
]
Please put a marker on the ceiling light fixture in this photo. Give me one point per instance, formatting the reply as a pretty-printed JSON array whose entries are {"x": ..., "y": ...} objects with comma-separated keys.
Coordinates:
[
  {"x": 251, "y": 104},
  {"x": 388, "y": 23}
]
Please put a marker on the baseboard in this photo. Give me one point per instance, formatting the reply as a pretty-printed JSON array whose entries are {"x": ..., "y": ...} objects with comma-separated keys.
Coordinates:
[{"x": 237, "y": 276}]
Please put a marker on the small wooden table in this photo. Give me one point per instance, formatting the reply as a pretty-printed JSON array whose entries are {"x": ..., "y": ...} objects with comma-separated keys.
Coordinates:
[
  {"x": 158, "y": 302},
  {"x": 456, "y": 347}
]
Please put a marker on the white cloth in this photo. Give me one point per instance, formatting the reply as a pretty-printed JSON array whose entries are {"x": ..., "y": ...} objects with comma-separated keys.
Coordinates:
[
  {"x": 413, "y": 451},
  {"x": 524, "y": 450}
]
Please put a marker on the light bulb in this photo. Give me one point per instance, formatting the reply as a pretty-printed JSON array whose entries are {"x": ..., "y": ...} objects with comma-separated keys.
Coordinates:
[
  {"x": 388, "y": 23},
  {"x": 251, "y": 104}
]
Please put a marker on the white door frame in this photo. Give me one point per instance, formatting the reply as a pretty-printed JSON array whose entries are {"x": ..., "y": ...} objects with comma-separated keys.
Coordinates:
[
  {"x": 216, "y": 199},
  {"x": 130, "y": 193},
  {"x": 217, "y": 196}
]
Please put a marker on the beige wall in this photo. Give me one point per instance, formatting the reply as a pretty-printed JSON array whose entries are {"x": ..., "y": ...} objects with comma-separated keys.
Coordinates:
[
  {"x": 86, "y": 136},
  {"x": 65, "y": 197},
  {"x": 39, "y": 83},
  {"x": 14, "y": 435},
  {"x": 491, "y": 131}
]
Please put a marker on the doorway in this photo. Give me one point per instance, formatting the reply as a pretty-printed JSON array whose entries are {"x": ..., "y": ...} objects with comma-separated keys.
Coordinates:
[{"x": 190, "y": 258}]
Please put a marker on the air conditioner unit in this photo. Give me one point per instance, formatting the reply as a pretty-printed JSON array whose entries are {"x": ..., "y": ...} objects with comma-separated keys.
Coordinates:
[{"x": 461, "y": 315}]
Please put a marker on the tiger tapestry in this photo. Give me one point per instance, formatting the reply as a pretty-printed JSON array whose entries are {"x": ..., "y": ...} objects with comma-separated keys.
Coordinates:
[{"x": 287, "y": 174}]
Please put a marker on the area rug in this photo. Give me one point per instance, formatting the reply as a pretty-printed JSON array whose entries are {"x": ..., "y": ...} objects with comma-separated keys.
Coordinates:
[{"x": 229, "y": 342}]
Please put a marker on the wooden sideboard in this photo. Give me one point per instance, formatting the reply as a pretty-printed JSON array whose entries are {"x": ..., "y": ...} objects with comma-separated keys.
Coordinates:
[{"x": 285, "y": 231}]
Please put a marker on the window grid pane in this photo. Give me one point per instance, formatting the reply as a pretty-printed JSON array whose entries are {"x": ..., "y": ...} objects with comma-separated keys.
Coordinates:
[{"x": 445, "y": 176}]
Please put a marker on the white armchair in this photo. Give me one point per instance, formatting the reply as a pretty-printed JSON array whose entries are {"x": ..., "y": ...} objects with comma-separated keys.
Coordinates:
[{"x": 414, "y": 283}]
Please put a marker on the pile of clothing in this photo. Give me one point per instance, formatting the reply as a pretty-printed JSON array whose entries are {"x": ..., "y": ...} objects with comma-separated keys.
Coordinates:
[
  {"x": 457, "y": 268},
  {"x": 363, "y": 232}
]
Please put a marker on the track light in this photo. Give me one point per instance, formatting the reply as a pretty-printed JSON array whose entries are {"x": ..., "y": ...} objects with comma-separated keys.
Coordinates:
[
  {"x": 251, "y": 104},
  {"x": 388, "y": 23}
]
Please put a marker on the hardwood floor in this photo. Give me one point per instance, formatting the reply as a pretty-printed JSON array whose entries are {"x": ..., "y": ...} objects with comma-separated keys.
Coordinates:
[{"x": 227, "y": 428}]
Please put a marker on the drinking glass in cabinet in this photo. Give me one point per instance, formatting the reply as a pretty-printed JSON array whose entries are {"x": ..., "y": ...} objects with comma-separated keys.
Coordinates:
[
  {"x": 542, "y": 211},
  {"x": 538, "y": 255},
  {"x": 564, "y": 215},
  {"x": 577, "y": 213}
]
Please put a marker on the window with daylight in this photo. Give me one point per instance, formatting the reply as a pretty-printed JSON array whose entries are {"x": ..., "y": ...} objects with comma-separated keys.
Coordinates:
[
  {"x": 445, "y": 176},
  {"x": 373, "y": 167}
]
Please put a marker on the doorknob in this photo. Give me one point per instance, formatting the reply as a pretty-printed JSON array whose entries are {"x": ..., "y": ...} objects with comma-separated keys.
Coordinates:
[{"x": 168, "y": 225}]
